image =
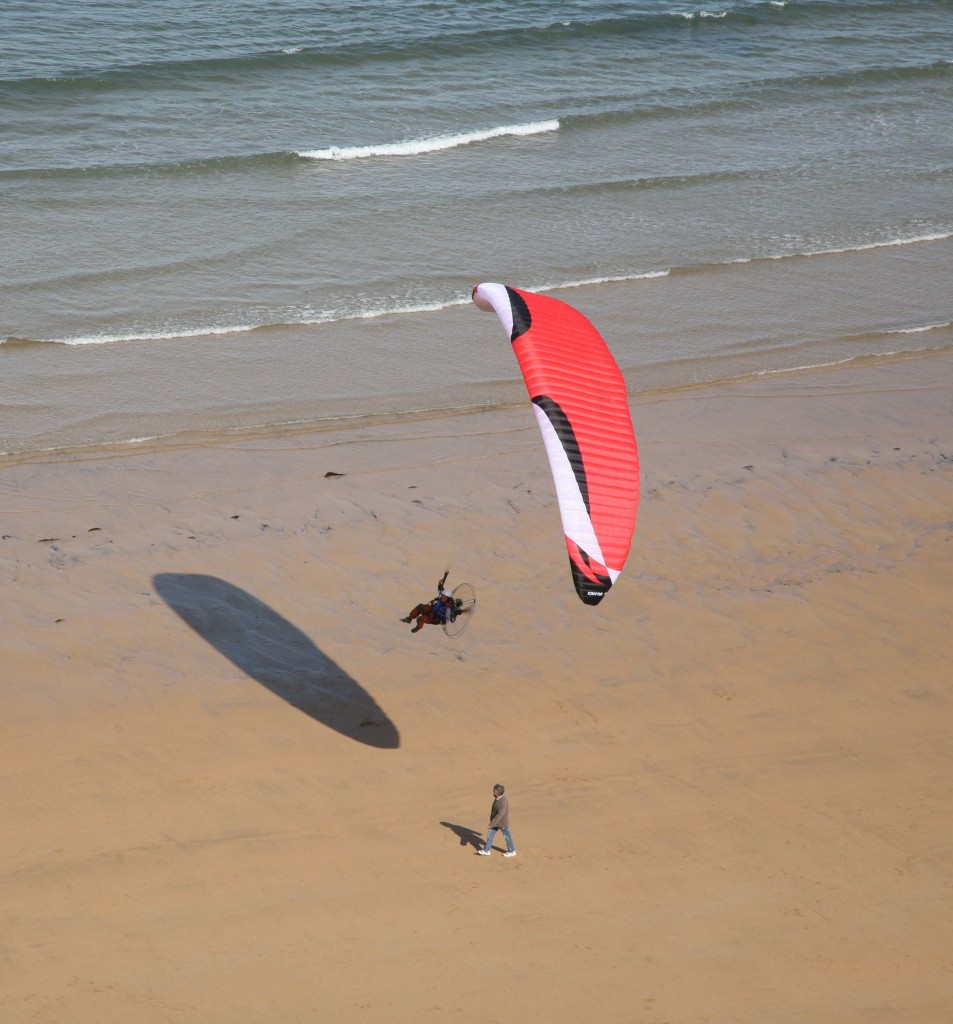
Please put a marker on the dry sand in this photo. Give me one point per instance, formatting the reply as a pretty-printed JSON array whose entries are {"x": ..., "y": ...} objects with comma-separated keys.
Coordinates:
[{"x": 235, "y": 788}]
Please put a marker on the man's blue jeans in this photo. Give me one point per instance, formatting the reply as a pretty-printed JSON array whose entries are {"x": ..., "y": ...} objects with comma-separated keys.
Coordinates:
[{"x": 491, "y": 835}]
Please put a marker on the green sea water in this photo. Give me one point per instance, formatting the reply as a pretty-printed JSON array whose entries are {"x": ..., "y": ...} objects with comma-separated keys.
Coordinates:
[{"x": 239, "y": 215}]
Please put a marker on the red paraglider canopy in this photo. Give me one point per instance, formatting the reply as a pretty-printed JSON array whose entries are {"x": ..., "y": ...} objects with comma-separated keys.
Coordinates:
[{"x": 579, "y": 397}]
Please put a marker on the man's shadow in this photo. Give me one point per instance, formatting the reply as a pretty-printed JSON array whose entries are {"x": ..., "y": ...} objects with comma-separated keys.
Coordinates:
[
  {"x": 466, "y": 835},
  {"x": 275, "y": 653}
]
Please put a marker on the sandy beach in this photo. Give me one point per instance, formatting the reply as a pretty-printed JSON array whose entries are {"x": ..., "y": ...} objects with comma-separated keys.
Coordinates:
[{"x": 235, "y": 788}]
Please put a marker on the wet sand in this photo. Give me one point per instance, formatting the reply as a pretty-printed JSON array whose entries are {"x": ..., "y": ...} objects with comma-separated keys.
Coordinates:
[{"x": 236, "y": 788}]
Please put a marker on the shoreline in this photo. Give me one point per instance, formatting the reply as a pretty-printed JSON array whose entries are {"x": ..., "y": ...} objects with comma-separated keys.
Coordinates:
[
  {"x": 667, "y": 332},
  {"x": 321, "y": 424}
]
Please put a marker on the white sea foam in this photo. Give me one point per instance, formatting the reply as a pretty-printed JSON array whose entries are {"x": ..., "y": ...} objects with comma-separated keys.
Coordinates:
[
  {"x": 847, "y": 360},
  {"x": 433, "y": 144},
  {"x": 780, "y": 371},
  {"x": 305, "y": 320},
  {"x": 692, "y": 15},
  {"x": 109, "y": 339},
  {"x": 585, "y": 282},
  {"x": 87, "y": 447},
  {"x": 938, "y": 236},
  {"x": 410, "y": 308},
  {"x": 337, "y": 316},
  {"x": 379, "y": 311},
  {"x": 312, "y": 318},
  {"x": 920, "y": 330}
]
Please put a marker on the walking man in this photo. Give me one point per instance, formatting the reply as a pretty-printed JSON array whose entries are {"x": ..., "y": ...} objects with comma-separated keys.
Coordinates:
[{"x": 499, "y": 822}]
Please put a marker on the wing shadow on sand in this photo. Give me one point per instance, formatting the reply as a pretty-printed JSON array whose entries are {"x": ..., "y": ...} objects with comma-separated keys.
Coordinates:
[{"x": 275, "y": 653}]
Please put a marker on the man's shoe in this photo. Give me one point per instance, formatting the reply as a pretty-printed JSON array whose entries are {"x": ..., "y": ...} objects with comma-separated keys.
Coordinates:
[
  {"x": 510, "y": 853},
  {"x": 406, "y": 618},
  {"x": 485, "y": 853}
]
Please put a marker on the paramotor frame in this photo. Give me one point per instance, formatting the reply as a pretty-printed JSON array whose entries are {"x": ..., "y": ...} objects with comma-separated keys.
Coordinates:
[{"x": 463, "y": 597}]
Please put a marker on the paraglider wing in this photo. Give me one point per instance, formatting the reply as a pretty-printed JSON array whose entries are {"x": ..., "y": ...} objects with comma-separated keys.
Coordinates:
[{"x": 578, "y": 396}]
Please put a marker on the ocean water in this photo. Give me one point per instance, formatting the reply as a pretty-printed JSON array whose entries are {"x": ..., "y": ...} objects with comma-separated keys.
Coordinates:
[{"x": 233, "y": 215}]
